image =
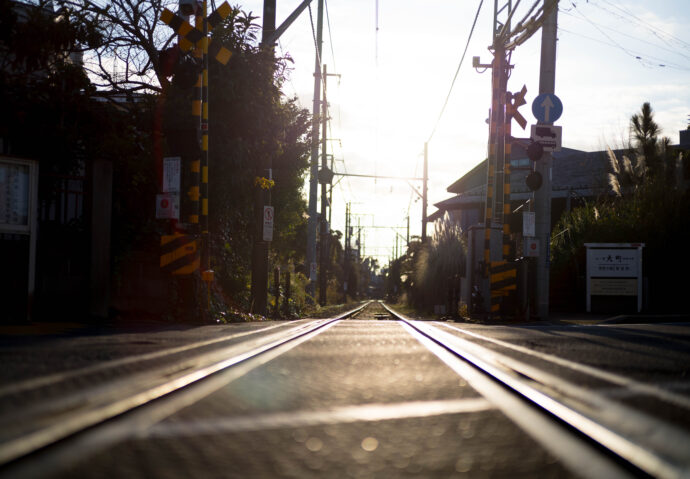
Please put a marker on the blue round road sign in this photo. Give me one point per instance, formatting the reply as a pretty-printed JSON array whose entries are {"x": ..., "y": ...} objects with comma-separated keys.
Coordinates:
[{"x": 547, "y": 108}]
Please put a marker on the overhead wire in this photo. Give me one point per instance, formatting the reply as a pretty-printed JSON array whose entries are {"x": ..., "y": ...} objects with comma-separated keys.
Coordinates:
[
  {"x": 655, "y": 30},
  {"x": 457, "y": 71},
  {"x": 641, "y": 58},
  {"x": 633, "y": 37},
  {"x": 330, "y": 36}
]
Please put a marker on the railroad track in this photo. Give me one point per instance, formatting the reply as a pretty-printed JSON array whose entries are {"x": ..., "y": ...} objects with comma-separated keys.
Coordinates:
[
  {"x": 561, "y": 415},
  {"x": 40, "y": 418},
  {"x": 589, "y": 432}
]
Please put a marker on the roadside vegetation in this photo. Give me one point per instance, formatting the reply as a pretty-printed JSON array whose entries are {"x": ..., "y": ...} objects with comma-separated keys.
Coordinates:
[
  {"x": 647, "y": 205},
  {"x": 428, "y": 275},
  {"x": 92, "y": 78}
]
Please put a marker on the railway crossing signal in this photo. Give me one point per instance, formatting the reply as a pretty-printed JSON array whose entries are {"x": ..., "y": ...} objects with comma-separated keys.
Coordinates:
[
  {"x": 190, "y": 36},
  {"x": 190, "y": 69}
]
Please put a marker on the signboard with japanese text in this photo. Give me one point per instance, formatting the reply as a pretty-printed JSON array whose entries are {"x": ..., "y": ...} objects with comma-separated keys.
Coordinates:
[
  {"x": 171, "y": 174},
  {"x": 14, "y": 194},
  {"x": 528, "y": 223},
  {"x": 614, "y": 272},
  {"x": 612, "y": 263},
  {"x": 614, "y": 286},
  {"x": 18, "y": 195}
]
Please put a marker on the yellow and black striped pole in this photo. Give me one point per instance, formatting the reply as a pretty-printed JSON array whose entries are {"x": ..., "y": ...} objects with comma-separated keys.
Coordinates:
[
  {"x": 196, "y": 38},
  {"x": 206, "y": 272},
  {"x": 501, "y": 274}
]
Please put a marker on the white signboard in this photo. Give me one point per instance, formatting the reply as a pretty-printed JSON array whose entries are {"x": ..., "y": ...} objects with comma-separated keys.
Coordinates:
[
  {"x": 171, "y": 174},
  {"x": 268, "y": 223},
  {"x": 614, "y": 269},
  {"x": 549, "y": 136},
  {"x": 168, "y": 206},
  {"x": 14, "y": 194},
  {"x": 528, "y": 223}
]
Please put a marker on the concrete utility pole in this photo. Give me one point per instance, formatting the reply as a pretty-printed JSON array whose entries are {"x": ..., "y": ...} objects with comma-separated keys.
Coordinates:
[
  {"x": 542, "y": 197},
  {"x": 425, "y": 190},
  {"x": 323, "y": 267},
  {"x": 314, "y": 166},
  {"x": 263, "y": 198}
]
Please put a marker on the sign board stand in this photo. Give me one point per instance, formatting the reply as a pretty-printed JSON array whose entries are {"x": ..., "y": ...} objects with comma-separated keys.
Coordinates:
[
  {"x": 18, "y": 207},
  {"x": 614, "y": 270}
]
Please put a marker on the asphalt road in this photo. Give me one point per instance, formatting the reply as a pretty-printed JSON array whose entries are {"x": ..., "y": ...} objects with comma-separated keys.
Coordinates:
[{"x": 362, "y": 398}]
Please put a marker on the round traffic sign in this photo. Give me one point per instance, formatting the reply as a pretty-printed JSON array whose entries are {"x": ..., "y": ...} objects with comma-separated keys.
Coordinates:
[{"x": 547, "y": 108}]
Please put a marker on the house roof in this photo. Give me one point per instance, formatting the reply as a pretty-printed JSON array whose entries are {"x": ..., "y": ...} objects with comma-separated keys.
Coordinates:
[{"x": 573, "y": 171}]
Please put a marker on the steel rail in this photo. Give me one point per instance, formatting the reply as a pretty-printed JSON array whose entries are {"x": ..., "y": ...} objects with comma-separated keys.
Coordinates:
[
  {"x": 631, "y": 384},
  {"x": 101, "y": 404},
  {"x": 669, "y": 459}
]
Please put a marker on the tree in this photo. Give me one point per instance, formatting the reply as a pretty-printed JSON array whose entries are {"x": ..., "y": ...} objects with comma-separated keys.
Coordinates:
[
  {"x": 127, "y": 60},
  {"x": 648, "y": 159}
]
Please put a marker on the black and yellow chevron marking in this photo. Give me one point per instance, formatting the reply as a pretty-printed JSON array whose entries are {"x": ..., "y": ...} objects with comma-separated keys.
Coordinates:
[
  {"x": 503, "y": 282},
  {"x": 218, "y": 15},
  {"x": 190, "y": 35},
  {"x": 180, "y": 254}
]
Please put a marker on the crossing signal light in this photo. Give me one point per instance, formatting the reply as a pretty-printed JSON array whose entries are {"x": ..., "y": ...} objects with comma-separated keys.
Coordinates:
[
  {"x": 534, "y": 181},
  {"x": 535, "y": 151},
  {"x": 183, "y": 67}
]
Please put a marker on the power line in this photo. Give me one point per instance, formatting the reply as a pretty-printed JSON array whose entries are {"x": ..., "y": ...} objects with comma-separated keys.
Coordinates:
[
  {"x": 642, "y": 58},
  {"x": 653, "y": 28},
  {"x": 330, "y": 37},
  {"x": 633, "y": 37},
  {"x": 445, "y": 103}
]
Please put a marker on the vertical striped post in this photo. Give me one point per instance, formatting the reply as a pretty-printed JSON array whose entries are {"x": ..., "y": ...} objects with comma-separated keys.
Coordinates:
[
  {"x": 205, "y": 258},
  {"x": 195, "y": 163}
]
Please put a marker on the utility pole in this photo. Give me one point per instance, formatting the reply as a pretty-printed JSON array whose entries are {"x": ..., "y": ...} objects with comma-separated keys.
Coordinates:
[
  {"x": 263, "y": 197},
  {"x": 425, "y": 190},
  {"x": 542, "y": 197},
  {"x": 346, "y": 256},
  {"x": 314, "y": 166},
  {"x": 407, "y": 236},
  {"x": 323, "y": 267}
]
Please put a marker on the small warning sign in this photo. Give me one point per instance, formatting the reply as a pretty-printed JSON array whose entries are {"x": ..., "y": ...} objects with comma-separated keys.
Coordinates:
[
  {"x": 268, "y": 223},
  {"x": 168, "y": 206}
]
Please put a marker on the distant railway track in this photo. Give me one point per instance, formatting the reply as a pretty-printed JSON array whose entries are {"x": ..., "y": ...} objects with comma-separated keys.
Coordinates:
[
  {"x": 42, "y": 420},
  {"x": 562, "y": 414}
]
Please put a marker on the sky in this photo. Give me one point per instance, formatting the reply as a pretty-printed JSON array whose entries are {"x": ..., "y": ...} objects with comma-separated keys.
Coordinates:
[{"x": 612, "y": 56}]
